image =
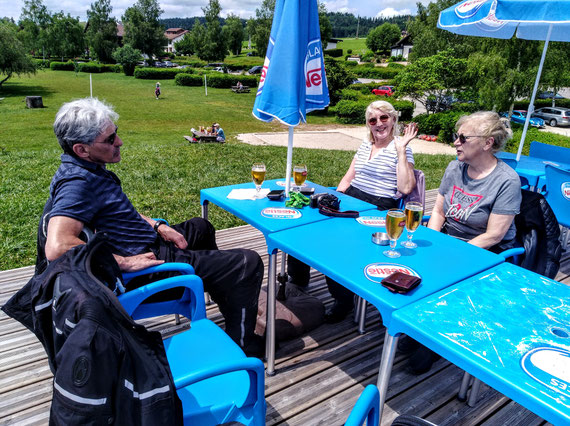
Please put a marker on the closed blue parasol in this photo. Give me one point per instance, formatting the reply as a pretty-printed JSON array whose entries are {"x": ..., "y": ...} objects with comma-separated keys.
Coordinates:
[
  {"x": 293, "y": 80},
  {"x": 527, "y": 19}
]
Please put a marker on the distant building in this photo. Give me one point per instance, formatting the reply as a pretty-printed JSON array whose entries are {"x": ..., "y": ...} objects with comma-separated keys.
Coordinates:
[
  {"x": 174, "y": 35},
  {"x": 403, "y": 47}
]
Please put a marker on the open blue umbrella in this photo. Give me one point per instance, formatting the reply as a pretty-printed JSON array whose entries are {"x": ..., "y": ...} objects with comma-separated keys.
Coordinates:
[
  {"x": 528, "y": 19},
  {"x": 293, "y": 80}
]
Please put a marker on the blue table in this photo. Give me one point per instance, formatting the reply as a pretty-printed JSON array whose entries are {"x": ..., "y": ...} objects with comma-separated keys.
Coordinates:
[
  {"x": 343, "y": 250},
  {"x": 507, "y": 326},
  {"x": 250, "y": 211},
  {"x": 532, "y": 168}
]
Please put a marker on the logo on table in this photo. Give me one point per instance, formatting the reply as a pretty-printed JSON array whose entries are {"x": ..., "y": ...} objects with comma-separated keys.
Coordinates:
[
  {"x": 280, "y": 213},
  {"x": 549, "y": 366},
  {"x": 371, "y": 220},
  {"x": 376, "y": 272},
  {"x": 565, "y": 189}
]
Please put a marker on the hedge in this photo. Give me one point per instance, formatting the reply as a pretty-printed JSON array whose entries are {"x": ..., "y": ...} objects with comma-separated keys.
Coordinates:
[
  {"x": 62, "y": 66},
  {"x": 351, "y": 64},
  {"x": 158, "y": 73},
  {"x": 41, "y": 63},
  {"x": 193, "y": 63},
  {"x": 184, "y": 79},
  {"x": 94, "y": 67},
  {"x": 441, "y": 124},
  {"x": 541, "y": 103},
  {"x": 533, "y": 134},
  {"x": 217, "y": 80},
  {"x": 335, "y": 53},
  {"x": 375, "y": 72},
  {"x": 354, "y": 112}
]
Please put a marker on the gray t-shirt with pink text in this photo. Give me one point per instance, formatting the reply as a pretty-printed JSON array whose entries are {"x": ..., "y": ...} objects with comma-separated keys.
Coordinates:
[{"x": 469, "y": 202}]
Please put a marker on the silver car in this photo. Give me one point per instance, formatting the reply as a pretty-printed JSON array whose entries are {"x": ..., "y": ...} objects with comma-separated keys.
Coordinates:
[{"x": 554, "y": 116}]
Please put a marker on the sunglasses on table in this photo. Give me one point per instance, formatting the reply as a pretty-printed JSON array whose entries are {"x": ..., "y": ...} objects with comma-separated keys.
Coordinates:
[
  {"x": 373, "y": 120},
  {"x": 463, "y": 138}
]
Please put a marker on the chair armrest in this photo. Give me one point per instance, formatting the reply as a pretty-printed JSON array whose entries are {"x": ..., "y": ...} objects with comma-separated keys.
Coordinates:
[
  {"x": 183, "y": 268},
  {"x": 512, "y": 252},
  {"x": 253, "y": 366},
  {"x": 132, "y": 299},
  {"x": 366, "y": 408}
]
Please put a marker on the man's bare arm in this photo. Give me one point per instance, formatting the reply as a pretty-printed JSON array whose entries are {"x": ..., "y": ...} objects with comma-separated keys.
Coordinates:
[{"x": 62, "y": 235}]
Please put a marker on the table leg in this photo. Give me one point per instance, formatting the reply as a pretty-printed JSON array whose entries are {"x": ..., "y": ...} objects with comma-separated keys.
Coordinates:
[
  {"x": 462, "y": 395},
  {"x": 270, "y": 311},
  {"x": 205, "y": 210},
  {"x": 474, "y": 392},
  {"x": 362, "y": 316},
  {"x": 388, "y": 353}
]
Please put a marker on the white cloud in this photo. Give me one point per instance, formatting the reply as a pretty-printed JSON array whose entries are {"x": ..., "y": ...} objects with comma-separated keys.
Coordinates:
[{"x": 389, "y": 12}]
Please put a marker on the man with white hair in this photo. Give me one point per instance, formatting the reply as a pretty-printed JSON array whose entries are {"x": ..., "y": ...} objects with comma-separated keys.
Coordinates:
[{"x": 84, "y": 193}]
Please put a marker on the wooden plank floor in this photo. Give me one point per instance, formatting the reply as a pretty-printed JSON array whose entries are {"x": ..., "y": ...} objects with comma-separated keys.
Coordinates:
[{"x": 319, "y": 376}]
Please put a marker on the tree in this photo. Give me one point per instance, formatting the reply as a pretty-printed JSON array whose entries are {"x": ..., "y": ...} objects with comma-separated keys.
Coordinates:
[
  {"x": 127, "y": 57},
  {"x": 34, "y": 21},
  {"x": 338, "y": 78},
  {"x": 184, "y": 46},
  {"x": 234, "y": 33},
  {"x": 214, "y": 46},
  {"x": 325, "y": 25},
  {"x": 13, "y": 58},
  {"x": 261, "y": 30},
  {"x": 432, "y": 76},
  {"x": 101, "y": 31},
  {"x": 196, "y": 37},
  {"x": 381, "y": 38},
  {"x": 64, "y": 36},
  {"x": 142, "y": 29},
  {"x": 556, "y": 74}
]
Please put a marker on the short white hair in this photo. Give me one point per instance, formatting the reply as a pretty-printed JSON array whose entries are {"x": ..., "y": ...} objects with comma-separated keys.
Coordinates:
[{"x": 386, "y": 107}]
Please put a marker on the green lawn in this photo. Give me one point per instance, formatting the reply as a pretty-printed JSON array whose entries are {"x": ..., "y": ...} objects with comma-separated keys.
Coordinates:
[
  {"x": 160, "y": 171},
  {"x": 358, "y": 45}
]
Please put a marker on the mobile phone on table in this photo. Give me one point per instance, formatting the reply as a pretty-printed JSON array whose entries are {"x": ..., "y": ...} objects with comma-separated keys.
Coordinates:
[
  {"x": 276, "y": 194},
  {"x": 307, "y": 191}
]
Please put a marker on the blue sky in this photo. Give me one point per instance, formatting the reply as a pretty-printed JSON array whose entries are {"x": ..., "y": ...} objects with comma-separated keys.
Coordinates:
[{"x": 243, "y": 8}]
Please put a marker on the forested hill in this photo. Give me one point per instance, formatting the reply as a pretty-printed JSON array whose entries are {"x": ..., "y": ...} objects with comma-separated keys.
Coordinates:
[{"x": 343, "y": 24}]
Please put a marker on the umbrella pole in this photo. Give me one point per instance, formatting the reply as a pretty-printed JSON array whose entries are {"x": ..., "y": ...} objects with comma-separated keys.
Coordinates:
[
  {"x": 289, "y": 162},
  {"x": 531, "y": 106}
]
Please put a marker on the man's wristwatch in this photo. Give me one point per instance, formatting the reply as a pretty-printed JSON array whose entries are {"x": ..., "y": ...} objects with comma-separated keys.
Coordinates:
[{"x": 158, "y": 223}]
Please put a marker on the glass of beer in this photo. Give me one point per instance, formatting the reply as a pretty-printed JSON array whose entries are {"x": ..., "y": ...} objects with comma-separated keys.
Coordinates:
[
  {"x": 395, "y": 223},
  {"x": 300, "y": 175},
  {"x": 414, "y": 213},
  {"x": 258, "y": 175}
]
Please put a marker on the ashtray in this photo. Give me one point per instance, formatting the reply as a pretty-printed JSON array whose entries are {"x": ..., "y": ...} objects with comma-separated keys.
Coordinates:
[{"x": 380, "y": 238}]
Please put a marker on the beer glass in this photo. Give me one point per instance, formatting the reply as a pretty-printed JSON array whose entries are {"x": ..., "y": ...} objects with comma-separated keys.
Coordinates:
[
  {"x": 300, "y": 175},
  {"x": 395, "y": 222},
  {"x": 414, "y": 212},
  {"x": 258, "y": 175}
]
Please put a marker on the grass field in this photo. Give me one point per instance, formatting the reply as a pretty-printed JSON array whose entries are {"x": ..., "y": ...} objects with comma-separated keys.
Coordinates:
[
  {"x": 358, "y": 45},
  {"x": 160, "y": 171}
]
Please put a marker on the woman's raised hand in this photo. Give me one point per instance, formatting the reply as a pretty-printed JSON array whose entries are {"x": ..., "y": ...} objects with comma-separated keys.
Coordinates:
[{"x": 410, "y": 132}]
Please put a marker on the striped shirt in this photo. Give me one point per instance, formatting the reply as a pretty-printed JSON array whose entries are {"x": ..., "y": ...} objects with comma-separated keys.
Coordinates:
[
  {"x": 377, "y": 175},
  {"x": 93, "y": 195}
]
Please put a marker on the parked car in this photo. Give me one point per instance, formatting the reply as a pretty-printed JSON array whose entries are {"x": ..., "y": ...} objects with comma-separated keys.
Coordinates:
[
  {"x": 549, "y": 95},
  {"x": 219, "y": 69},
  {"x": 384, "y": 90},
  {"x": 168, "y": 64},
  {"x": 519, "y": 116},
  {"x": 143, "y": 63},
  {"x": 356, "y": 82},
  {"x": 249, "y": 54},
  {"x": 256, "y": 70},
  {"x": 554, "y": 116},
  {"x": 445, "y": 102},
  {"x": 159, "y": 64}
]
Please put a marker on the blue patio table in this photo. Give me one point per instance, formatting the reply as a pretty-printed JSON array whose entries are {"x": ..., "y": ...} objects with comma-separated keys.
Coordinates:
[
  {"x": 532, "y": 168},
  {"x": 508, "y": 327},
  {"x": 266, "y": 216},
  {"x": 343, "y": 250}
]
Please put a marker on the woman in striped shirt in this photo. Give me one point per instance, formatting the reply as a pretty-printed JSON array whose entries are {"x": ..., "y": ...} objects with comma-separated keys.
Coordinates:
[{"x": 384, "y": 163}]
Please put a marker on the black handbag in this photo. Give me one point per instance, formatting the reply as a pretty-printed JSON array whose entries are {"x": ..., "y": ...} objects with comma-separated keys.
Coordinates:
[{"x": 329, "y": 204}]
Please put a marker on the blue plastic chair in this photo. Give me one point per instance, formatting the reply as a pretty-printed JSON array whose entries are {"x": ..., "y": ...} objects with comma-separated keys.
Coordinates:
[
  {"x": 367, "y": 408},
  {"x": 214, "y": 379},
  {"x": 558, "y": 196},
  {"x": 549, "y": 152},
  {"x": 512, "y": 163}
]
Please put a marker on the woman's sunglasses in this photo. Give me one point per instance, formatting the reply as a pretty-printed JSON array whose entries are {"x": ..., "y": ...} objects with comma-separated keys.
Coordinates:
[
  {"x": 373, "y": 120},
  {"x": 463, "y": 138}
]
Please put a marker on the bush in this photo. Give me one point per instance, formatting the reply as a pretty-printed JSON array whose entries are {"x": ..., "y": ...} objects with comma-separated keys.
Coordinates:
[
  {"x": 351, "y": 64},
  {"x": 541, "y": 103},
  {"x": 354, "y": 112},
  {"x": 62, "y": 66},
  {"x": 367, "y": 57},
  {"x": 376, "y": 72},
  {"x": 349, "y": 51},
  {"x": 157, "y": 73},
  {"x": 94, "y": 67},
  {"x": 184, "y": 79},
  {"x": 398, "y": 58},
  {"x": 533, "y": 134},
  {"x": 41, "y": 63},
  {"x": 395, "y": 65},
  {"x": 335, "y": 53},
  {"x": 440, "y": 123}
]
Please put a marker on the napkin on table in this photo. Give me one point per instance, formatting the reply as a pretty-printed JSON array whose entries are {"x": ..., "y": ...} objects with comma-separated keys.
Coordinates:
[{"x": 247, "y": 193}]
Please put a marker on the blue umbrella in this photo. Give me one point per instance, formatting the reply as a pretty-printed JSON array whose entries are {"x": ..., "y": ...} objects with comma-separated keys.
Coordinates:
[
  {"x": 528, "y": 19},
  {"x": 293, "y": 80}
]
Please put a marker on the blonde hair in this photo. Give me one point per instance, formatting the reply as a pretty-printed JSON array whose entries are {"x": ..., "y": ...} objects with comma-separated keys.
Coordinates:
[
  {"x": 490, "y": 124},
  {"x": 386, "y": 107}
]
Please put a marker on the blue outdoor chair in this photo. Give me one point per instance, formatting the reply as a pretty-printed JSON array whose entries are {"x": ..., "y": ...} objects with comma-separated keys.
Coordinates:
[
  {"x": 558, "y": 196},
  {"x": 367, "y": 408},
  {"x": 549, "y": 152},
  {"x": 214, "y": 379}
]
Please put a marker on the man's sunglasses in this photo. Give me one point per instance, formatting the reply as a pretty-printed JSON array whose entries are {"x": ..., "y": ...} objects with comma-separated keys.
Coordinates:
[
  {"x": 373, "y": 120},
  {"x": 463, "y": 138}
]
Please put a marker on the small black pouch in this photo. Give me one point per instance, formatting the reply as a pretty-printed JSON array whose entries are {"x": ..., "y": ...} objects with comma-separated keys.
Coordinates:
[{"x": 401, "y": 283}]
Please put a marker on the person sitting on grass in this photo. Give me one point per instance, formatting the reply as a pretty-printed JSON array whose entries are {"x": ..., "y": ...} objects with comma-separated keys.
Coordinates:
[
  {"x": 220, "y": 135},
  {"x": 84, "y": 193}
]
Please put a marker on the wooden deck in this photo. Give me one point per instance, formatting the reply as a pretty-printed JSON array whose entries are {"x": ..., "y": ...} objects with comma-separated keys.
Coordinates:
[{"x": 319, "y": 377}]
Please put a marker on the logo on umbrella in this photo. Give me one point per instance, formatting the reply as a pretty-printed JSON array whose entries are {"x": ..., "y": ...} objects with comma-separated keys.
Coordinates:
[
  {"x": 565, "y": 188},
  {"x": 313, "y": 69},
  {"x": 469, "y": 8}
]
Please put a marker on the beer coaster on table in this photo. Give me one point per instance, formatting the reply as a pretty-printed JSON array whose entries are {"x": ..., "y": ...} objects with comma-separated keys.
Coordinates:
[
  {"x": 282, "y": 183},
  {"x": 281, "y": 213},
  {"x": 377, "y": 221},
  {"x": 548, "y": 365},
  {"x": 376, "y": 272}
]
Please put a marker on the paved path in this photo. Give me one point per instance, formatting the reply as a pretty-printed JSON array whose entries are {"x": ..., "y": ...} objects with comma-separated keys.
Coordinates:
[{"x": 346, "y": 139}]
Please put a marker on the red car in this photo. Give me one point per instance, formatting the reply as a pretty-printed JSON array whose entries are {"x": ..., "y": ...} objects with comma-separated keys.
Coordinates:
[{"x": 384, "y": 90}]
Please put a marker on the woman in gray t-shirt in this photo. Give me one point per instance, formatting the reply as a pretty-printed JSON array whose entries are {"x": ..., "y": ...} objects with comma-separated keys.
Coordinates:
[{"x": 479, "y": 194}]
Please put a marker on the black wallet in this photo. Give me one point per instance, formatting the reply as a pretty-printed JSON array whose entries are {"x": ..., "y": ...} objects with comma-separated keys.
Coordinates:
[{"x": 401, "y": 283}]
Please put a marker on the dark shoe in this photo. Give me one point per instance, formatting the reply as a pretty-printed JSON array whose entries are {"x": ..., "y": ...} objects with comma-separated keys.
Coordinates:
[
  {"x": 337, "y": 313},
  {"x": 255, "y": 347},
  {"x": 421, "y": 360},
  {"x": 407, "y": 345}
]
